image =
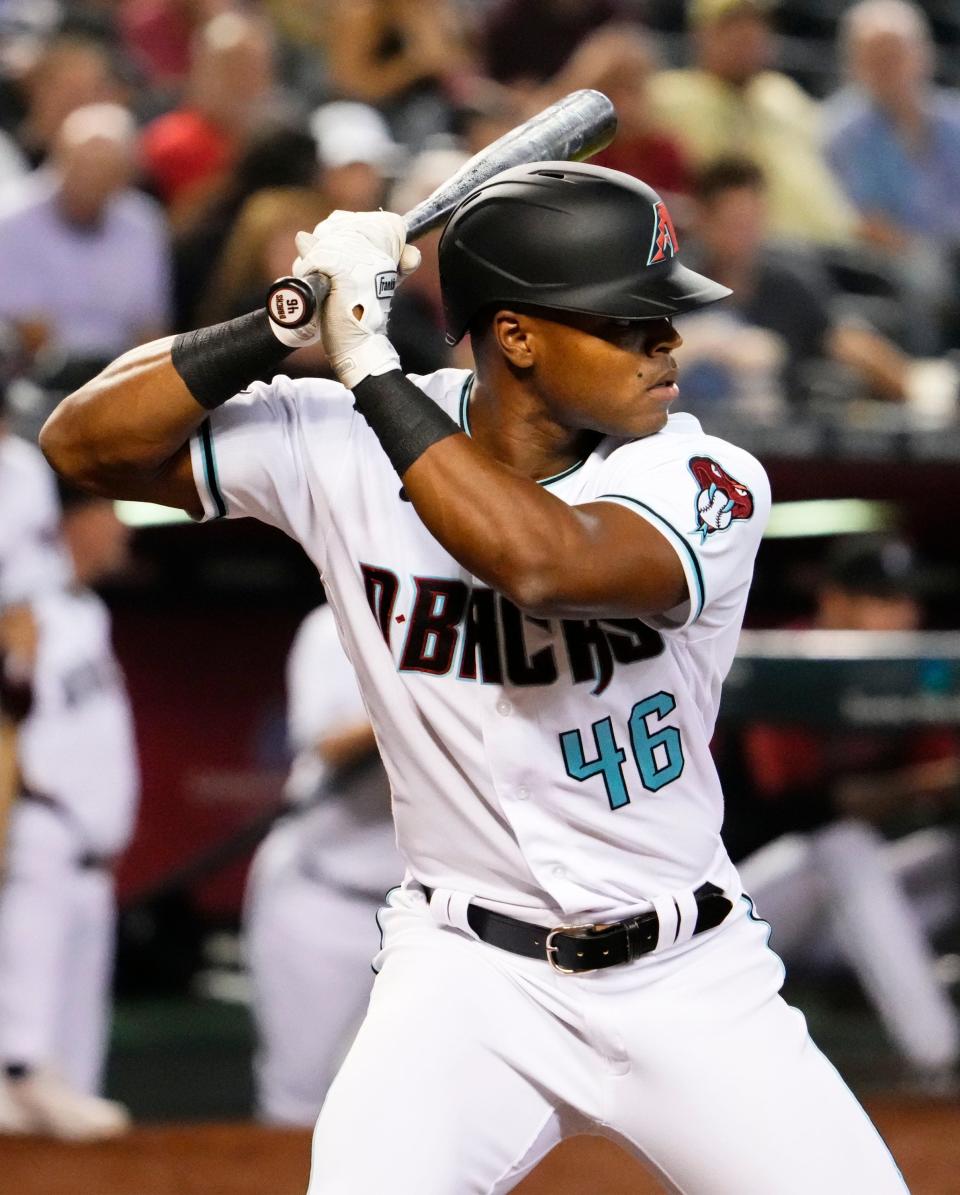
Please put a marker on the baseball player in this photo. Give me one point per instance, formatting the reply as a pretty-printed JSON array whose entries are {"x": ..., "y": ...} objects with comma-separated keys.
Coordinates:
[
  {"x": 539, "y": 575},
  {"x": 74, "y": 815},
  {"x": 316, "y": 883}
]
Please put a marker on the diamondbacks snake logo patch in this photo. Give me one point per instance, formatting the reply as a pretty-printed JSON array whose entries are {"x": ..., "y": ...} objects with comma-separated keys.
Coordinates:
[{"x": 721, "y": 498}]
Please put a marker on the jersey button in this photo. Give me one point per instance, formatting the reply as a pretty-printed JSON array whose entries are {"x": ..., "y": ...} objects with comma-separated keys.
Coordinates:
[
  {"x": 504, "y": 707},
  {"x": 522, "y": 794},
  {"x": 559, "y": 871}
]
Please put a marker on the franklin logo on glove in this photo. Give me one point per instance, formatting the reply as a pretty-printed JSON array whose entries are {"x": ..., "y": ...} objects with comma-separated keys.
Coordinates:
[{"x": 386, "y": 284}]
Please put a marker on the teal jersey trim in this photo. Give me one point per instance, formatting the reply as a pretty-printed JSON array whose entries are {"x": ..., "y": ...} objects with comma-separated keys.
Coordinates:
[
  {"x": 465, "y": 403},
  {"x": 697, "y": 571},
  {"x": 210, "y": 470},
  {"x": 465, "y": 427}
]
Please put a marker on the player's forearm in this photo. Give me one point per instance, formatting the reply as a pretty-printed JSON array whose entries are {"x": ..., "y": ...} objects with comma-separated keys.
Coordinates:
[
  {"x": 549, "y": 558},
  {"x": 502, "y": 527},
  {"x": 127, "y": 422},
  {"x": 125, "y": 433}
]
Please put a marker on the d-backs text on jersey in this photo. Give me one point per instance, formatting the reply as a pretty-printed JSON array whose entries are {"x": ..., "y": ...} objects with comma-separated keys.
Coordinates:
[{"x": 479, "y": 635}]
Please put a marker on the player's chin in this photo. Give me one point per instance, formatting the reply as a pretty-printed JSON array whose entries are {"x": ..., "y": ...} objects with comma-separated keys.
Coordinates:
[
  {"x": 647, "y": 417},
  {"x": 633, "y": 424}
]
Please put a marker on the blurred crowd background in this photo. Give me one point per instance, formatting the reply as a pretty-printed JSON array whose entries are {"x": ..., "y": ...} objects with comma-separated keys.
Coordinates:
[{"x": 157, "y": 158}]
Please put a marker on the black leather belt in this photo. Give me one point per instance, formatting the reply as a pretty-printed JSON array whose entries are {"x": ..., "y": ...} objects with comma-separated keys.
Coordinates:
[{"x": 574, "y": 949}]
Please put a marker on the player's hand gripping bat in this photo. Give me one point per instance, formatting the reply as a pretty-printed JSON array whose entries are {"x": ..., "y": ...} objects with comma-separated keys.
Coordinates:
[{"x": 572, "y": 129}]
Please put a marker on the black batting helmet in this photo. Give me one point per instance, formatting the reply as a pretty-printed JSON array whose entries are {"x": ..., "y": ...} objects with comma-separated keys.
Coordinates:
[{"x": 566, "y": 236}]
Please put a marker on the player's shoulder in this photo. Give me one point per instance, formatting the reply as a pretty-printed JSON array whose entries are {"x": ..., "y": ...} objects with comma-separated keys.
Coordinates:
[
  {"x": 684, "y": 444},
  {"x": 315, "y": 398},
  {"x": 777, "y": 91},
  {"x": 283, "y": 403}
]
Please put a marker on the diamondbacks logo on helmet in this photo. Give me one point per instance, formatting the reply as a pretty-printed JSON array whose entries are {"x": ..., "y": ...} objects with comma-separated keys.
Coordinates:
[
  {"x": 664, "y": 243},
  {"x": 721, "y": 498}
]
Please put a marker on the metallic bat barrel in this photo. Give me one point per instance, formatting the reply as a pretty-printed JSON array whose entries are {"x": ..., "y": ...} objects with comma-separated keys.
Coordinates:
[
  {"x": 573, "y": 128},
  {"x": 581, "y": 124}
]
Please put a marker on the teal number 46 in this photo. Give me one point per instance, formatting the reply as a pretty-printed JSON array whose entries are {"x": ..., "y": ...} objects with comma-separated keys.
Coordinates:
[{"x": 658, "y": 754}]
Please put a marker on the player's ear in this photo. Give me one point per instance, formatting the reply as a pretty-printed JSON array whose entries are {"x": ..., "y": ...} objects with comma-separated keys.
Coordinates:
[{"x": 512, "y": 333}]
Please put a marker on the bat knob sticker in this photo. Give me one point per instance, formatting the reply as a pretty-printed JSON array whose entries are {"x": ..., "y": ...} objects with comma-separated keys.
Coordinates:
[{"x": 291, "y": 302}]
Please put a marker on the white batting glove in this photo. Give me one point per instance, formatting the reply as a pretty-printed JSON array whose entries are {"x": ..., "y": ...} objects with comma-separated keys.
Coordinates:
[{"x": 362, "y": 254}]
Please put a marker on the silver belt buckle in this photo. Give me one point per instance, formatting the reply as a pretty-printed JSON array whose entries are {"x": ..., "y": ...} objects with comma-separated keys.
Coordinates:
[{"x": 552, "y": 950}]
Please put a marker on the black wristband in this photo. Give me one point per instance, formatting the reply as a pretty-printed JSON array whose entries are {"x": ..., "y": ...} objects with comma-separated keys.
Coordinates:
[
  {"x": 406, "y": 420},
  {"x": 216, "y": 362}
]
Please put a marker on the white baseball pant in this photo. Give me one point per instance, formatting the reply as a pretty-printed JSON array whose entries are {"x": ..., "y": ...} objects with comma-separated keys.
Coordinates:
[
  {"x": 57, "y": 924},
  {"x": 308, "y": 948},
  {"x": 473, "y": 1063}
]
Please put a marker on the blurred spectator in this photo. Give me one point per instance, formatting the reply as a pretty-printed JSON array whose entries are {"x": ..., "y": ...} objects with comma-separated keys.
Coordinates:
[
  {"x": 13, "y": 164},
  {"x": 819, "y": 869},
  {"x": 893, "y": 138},
  {"x": 33, "y": 558},
  {"x": 276, "y": 156},
  {"x": 261, "y": 248},
  {"x": 417, "y": 327},
  {"x": 358, "y": 156},
  {"x": 619, "y": 61},
  {"x": 188, "y": 152},
  {"x": 75, "y": 813},
  {"x": 402, "y": 56},
  {"x": 526, "y": 42},
  {"x": 731, "y": 102},
  {"x": 85, "y": 257},
  {"x": 894, "y": 142},
  {"x": 70, "y": 72},
  {"x": 316, "y": 883},
  {"x": 489, "y": 110},
  {"x": 158, "y": 35},
  {"x": 783, "y": 291}
]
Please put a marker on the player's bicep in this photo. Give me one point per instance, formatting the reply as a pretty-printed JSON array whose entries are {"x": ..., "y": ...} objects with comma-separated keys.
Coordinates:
[
  {"x": 171, "y": 485},
  {"x": 620, "y": 566}
]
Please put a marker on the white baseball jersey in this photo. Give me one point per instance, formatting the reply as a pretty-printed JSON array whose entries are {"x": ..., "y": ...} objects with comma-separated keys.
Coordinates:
[
  {"x": 550, "y": 768},
  {"x": 77, "y": 745},
  {"x": 32, "y": 556},
  {"x": 348, "y": 839}
]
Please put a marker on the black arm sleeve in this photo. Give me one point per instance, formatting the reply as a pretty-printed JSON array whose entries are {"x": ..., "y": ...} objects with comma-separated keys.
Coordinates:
[
  {"x": 217, "y": 362},
  {"x": 406, "y": 421}
]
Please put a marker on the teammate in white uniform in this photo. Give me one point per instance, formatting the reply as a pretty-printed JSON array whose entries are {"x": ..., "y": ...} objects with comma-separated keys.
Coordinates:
[
  {"x": 540, "y": 621},
  {"x": 316, "y": 883},
  {"x": 77, "y": 759},
  {"x": 33, "y": 559}
]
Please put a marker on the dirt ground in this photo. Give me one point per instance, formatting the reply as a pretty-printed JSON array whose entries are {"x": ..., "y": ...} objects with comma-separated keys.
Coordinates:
[{"x": 245, "y": 1159}]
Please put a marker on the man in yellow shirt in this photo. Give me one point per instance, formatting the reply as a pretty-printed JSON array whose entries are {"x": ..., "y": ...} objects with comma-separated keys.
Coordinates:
[{"x": 730, "y": 102}]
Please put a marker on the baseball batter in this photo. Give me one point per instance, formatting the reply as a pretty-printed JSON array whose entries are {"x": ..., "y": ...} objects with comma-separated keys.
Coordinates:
[
  {"x": 316, "y": 883},
  {"x": 539, "y": 575}
]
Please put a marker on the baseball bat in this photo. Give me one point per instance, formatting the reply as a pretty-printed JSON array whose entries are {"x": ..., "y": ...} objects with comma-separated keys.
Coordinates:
[{"x": 572, "y": 129}]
